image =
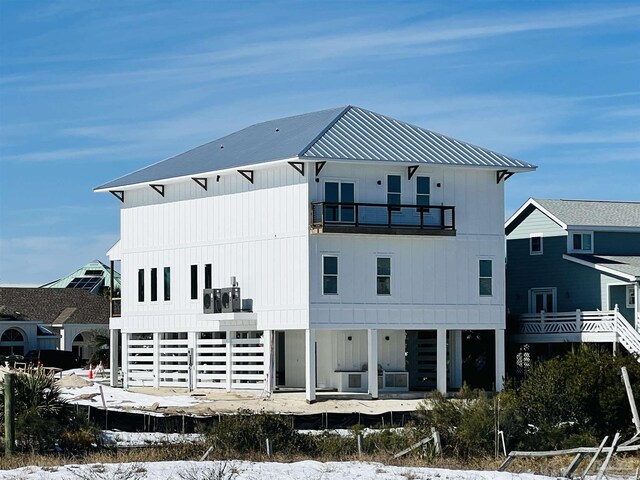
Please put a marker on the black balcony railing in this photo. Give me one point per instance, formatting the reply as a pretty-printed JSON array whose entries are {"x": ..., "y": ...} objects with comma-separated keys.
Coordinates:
[{"x": 332, "y": 217}]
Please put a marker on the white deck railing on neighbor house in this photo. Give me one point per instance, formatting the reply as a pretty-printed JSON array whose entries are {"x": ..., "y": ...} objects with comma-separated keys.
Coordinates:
[{"x": 579, "y": 322}]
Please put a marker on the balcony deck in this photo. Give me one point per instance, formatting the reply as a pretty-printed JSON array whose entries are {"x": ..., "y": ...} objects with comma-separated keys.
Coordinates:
[{"x": 382, "y": 218}]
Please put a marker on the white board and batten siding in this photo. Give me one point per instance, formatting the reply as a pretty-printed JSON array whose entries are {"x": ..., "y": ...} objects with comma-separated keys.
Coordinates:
[
  {"x": 257, "y": 233},
  {"x": 434, "y": 279}
]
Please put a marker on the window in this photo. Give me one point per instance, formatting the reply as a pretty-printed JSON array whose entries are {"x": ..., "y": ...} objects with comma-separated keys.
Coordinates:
[
  {"x": 194, "y": 282},
  {"x": 383, "y": 275},
  {"x": 207, "y": 275},
  {"x": 486, "y": 278},
  {"x": 535, "y": 244},
  {"x": 423, "y": 191},
  {"x": 141, "y": 285},
  {"x": 339, "y": 193},
  {"x": 167, "y": 283},
  {"x": 582, "y": 242},
  {"x": 329, "y": 275},
  {"x": 631, "y": 296},
  {"x": 154, "y": 284},
  {"x": 394, "y": 191}
]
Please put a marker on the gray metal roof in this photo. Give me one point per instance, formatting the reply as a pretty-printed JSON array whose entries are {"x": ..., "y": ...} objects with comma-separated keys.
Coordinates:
[
  {"x": 345, "y": 133},
  {"x": 626, "y": 264},
  {"x": 593, "y": 213}
]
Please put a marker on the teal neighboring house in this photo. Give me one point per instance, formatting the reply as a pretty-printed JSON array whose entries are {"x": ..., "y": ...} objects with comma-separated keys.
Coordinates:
[{"x": 573, "y": 275}]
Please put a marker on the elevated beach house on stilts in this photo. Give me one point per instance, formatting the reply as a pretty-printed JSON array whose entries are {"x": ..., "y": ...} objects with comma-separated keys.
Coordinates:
[
  {"x": 573, "y": 275},
  {"x": 338, "y": 250}
]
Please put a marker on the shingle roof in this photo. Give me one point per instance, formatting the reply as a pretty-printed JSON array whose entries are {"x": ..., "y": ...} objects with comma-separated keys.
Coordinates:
[
  {"x": 345, "y": 133},
  {"x": 54, "y": 305},
  {"x": 593, "y": 213},
  {"x": 627, "y": 264}
]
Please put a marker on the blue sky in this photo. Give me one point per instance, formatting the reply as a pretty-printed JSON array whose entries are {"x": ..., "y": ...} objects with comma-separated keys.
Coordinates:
[{"x": 92, "y": 90}]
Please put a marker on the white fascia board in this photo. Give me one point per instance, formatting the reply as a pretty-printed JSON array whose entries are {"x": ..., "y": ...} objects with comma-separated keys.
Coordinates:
[
  {"x": 601, "y": 228},
  {"x": 417, "y": 164},
  {"x": 607, "y": 270},
  {"x": 531, "y": 201},
  {"x": 114, "y": 252},
  {"x": 166, "y": 181}
]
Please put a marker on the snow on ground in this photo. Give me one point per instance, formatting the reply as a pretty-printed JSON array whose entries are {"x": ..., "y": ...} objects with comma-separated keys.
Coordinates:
[
  {"x": 241, "y": 470},
  {"x": 145, "y": 439}
]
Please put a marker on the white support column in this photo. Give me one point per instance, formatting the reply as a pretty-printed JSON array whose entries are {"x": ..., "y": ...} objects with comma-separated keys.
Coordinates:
[
  {"x": 310, "y": 365},
  {"x": 372, "y": 353},
  {"x": 63, "y": 339},
  {"x": 230, "y": 337},
  {"x": 156, "y": 360},
  {"x": 455, "y": 358},
  {"x": 636, "y": 290},
  {"x": 125, "y": 361},
  {"x": 441, "y": 360},
  {"x": 500, "y": 360},
  {"x": 268, "y": 343},
  {"x": 113, "y": 357}
]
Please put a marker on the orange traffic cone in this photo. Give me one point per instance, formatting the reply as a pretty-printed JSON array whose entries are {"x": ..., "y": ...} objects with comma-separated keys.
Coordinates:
[{"x": 90, "y": 372}]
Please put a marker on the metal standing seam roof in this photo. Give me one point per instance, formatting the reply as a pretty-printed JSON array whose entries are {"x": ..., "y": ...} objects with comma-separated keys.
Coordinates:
[
  {"x": 593, "y": 212},
  {"x": 344, "y": 133}
]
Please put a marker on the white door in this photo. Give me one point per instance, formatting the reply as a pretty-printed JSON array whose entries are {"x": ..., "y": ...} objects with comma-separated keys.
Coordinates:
[{"x": 542, "y": 299}]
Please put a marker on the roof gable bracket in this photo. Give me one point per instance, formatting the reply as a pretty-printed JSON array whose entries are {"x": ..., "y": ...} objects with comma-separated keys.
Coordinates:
[
  {"x": 158, "y": 188},
  {"x": 298, "y": 166},
  {"x": 503, "y": 175},
  {"x": 248, "y": 174},
  {"x": 411, "y": 171},
  {"x": 119, "y": 194},
  {"x": 319, "y": 167},
  {"x": 200, "y": 181}
]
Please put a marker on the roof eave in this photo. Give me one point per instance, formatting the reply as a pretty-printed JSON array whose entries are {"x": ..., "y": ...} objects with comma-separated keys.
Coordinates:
[
  {"x": 523, "y": 208},
  {"x": 601, "y": 268}
]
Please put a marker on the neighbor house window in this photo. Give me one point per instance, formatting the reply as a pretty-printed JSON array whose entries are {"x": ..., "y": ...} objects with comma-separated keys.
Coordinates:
[
  {"x": 582, "y": 242},
  {"x": 383, "y": 275},
  {"x": 207, "y": 275},
  {"x": 167, "y": 283},
  {"x": 141, "y": 285},
  {"x": 423, "y": 191},
  {"x": 194, "y": 282},
  {"x": 631, "y": 296},
  {"x": 486, "y": 278},
  {"x": 154, "y": 284},
  {"x": 329, "y": 275},
  {"x": 394, "y": 192},
  {"x": 535, "y": 244}
]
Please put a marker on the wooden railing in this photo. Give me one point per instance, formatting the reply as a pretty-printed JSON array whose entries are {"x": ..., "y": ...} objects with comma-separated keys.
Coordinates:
[
  {"x": 606, "y": 321},
  {"x": 383, "y": 218}
]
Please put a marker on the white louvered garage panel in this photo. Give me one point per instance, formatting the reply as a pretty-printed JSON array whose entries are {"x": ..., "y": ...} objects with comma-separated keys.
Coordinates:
[
  {"x": 211, "y": 360},
  {"x": 140, "y": 360},
  {"x": 174, "y": 360}
]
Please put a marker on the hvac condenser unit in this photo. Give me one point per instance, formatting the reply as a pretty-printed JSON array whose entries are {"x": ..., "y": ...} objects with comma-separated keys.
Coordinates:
[
  {"x": 231, "y": 301},
  {"x": 211, "y": 300}
]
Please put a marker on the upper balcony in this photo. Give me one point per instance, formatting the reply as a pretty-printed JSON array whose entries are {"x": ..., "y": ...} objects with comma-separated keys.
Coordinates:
[{"x": 382, "y": 218}]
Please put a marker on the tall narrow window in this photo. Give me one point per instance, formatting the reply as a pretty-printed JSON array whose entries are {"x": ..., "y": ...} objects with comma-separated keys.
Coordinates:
[
  {"x": 394, "y": 192},
  {"x": 207, "y": 275},
  {"x": 631, "y": 296},
  {"x": 194, "y": 282},
  {"x": 167, "y": 283},
  {"x": 336, "y": 195},
  {"x": 423, "y": 192},
  {"x": 154, "y": 284},
  {"x": 329, "y": 275},
  {"x": 383, "y": 275},
  {"x": 486, "y": 278},
  {"x": 141, "y": 285}
]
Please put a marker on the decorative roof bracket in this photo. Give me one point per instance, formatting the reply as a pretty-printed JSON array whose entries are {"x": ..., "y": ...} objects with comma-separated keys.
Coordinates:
[
  {"x": 298, "y": 166},
  {"x": 319, "y": 167},
  {"x": 200, "y": 181},
  {"x": 119, "y": 194},
  {"x": 503, "y": 175},
  {"x": 412, "y": 170},
  {"x": 248, "y": 174},
  {"x": 158, "y": 188}
]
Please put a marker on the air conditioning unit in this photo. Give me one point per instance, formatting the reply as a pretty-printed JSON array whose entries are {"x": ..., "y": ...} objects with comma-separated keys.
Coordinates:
[
  {"x": 211, "y": 300},
  {"x": 231, "y": 301}
]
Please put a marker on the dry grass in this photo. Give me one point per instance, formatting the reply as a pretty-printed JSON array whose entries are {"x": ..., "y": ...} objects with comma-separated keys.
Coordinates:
[{"x": 620, "y": 465}]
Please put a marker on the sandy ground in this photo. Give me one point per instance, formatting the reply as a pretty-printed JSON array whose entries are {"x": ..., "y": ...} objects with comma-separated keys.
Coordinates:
[{"x": 76, "y": 388}]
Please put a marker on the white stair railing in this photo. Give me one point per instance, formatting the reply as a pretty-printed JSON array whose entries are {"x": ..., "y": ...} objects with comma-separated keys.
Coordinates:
[{"x": 628, "y": 336}]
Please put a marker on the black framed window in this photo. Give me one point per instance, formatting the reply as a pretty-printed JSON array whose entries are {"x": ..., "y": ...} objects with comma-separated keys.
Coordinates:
[
  {"x": 154, "y": 284},
  {"x": 141, "y": 285},
  {"x": 394, "y": 190},
  {"x": 167, "y": 283},
  {"x": 207, "y": 275},
  {"x": 423, "y": 191},
  {"x": 194, "y": 282}
]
